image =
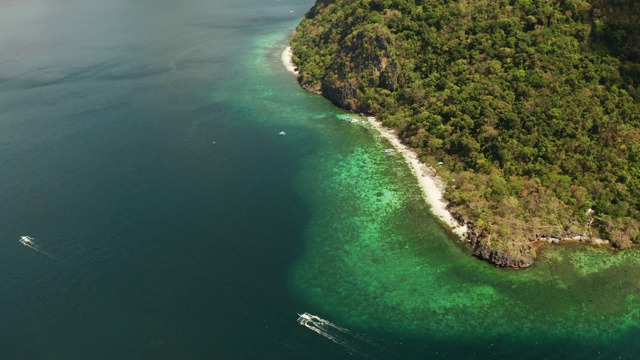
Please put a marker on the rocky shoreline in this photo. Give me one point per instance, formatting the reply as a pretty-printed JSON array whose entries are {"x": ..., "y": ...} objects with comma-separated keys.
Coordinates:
[{"x": 482, "y": 249}]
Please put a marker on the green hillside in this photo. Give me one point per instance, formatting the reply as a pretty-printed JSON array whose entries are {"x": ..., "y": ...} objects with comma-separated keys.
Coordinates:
[{"x": 532, "y": 106}]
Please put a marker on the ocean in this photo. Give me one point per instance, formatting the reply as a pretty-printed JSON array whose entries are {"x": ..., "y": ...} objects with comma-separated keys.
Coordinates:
[{"x": 140, "y": 149}]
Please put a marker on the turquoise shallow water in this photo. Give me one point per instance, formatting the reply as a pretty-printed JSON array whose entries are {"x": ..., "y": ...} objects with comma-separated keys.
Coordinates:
[
  {"x": 376, "y": 261},
  {"x": 139, "y": 147}
]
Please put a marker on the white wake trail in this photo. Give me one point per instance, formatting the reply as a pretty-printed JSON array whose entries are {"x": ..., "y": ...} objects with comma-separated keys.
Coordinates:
[
  {"x": 352, "y": 348},
  {"x": 36, "y": 248},
  {"x": 354, "y": 334},
  {"x": 355, "y": 343}
]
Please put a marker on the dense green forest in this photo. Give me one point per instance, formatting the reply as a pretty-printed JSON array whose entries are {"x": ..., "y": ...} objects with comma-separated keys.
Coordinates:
[{"x": 532, "y": 106}]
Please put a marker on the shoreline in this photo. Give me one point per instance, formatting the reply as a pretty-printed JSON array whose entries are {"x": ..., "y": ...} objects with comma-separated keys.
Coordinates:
[
  {"x": 433, "y": 188},
  {"x": 431, "y": 185},
  {"x": 287, "y": 61}
]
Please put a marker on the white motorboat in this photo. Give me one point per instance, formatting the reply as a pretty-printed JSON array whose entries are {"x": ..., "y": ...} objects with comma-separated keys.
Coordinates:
[
  {"x": 26, "y": 240},
  {"x": 307, "y": 318}
]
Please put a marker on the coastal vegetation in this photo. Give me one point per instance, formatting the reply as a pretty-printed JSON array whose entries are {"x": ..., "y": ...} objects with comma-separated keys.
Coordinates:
[{"x": 533, "y": 107}]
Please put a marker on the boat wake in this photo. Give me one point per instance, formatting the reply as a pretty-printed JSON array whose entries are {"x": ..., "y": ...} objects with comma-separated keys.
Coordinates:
[
  {"x": 355, "y": 343},
  {"x": 30, "y": 243}
]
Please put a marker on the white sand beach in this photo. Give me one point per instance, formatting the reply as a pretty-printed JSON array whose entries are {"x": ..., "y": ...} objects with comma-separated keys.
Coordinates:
[
  {"x": 287, "y": 60},
  {"x": 432, "y": 186}
]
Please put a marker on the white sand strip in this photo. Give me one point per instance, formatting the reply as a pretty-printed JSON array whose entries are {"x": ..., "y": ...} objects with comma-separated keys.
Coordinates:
[
  {"x": 432, "y": 186},
  {"x": 287, "y": 60}
]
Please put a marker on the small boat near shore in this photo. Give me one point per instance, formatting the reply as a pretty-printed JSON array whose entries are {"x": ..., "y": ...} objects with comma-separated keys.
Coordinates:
[{"x": 282, "y": 133}]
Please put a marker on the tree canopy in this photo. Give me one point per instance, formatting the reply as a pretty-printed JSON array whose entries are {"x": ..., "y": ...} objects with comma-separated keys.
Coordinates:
[{"x": 533, "y": 106}]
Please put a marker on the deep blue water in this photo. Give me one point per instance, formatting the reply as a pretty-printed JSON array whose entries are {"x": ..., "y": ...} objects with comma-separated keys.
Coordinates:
[
  {"x": 167, "y": 245},
  {"x": 139, "y": 147}
]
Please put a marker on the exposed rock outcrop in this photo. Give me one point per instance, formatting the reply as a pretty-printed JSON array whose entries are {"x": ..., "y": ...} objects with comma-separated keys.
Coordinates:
[
  {"x": 343, "y": 96},
  {"x": 364, "y": 62},
  {"x": 504, "y": 259},
  {"x": 523, "y": 255}
]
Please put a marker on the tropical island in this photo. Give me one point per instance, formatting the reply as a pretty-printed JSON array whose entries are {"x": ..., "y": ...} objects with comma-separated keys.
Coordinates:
[{"x": 532, "y": 109}]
